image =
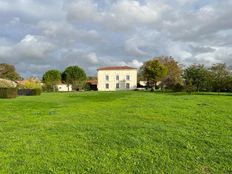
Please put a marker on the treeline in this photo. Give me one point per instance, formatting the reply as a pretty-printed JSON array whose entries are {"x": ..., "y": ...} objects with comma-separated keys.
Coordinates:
[
  {"x": 167, "y": 74},
  {"x": 8, "y": 72},
  {"x": 163, "y": 73},
  {"x": 72, "y": 75}
]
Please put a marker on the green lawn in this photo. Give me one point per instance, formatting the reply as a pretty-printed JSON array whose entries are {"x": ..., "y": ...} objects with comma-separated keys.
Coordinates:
[{"x": 116, "y": 132}]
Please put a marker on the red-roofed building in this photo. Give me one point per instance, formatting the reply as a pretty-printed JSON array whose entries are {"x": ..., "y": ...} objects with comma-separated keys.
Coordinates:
[
  {"x": 92, "y": 84},
  {"x": 116, "y": 68},
  {"x": 114, "y": 78}
]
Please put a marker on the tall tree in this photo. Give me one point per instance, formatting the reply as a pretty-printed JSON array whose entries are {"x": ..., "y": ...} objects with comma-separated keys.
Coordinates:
[
  {"x": 153, "y": 71},
  {"x": 8, "y": 71},
  {"x": 221, "y": 77},
  {"x": 51, "y": 78},
  {"x": 76, "y": 76},
  {"x": 198, "y": 76},
  {"x": 174, "y": 72}
]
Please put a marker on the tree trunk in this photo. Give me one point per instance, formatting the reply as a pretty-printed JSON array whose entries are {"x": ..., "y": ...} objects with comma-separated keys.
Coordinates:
[
  {"x": 155, "y": 85},
  {"x": 54, "y": 88}
]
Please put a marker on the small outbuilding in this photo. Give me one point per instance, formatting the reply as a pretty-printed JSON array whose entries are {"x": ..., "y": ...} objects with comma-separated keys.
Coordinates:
[{"x": 64, "y": 87}]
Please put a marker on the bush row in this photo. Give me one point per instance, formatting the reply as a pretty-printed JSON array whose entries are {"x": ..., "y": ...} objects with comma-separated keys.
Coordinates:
[
  {"x": 8, "y": 92},
  {"x": 14, "y": 92},
  {"x": 29, "y": 92}
]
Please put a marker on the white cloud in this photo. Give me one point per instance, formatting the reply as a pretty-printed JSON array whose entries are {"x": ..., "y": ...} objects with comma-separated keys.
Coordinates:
[
  {"x": 135, "y": 63},
  {"x": 121, "y": 15},
  {"x": 34, "y": 47},
  {"x": 29, "y": 49},
  {"x": 126, "y": 12}
]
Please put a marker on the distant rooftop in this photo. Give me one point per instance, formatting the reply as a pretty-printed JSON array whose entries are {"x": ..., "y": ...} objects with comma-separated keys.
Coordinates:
[
  {"x": 92, "y": 82},
  {"x": 116, "y": 68}
]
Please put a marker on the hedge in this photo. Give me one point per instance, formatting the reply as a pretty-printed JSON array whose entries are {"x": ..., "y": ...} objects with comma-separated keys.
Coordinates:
[
  {"x": 8, "y": 92},
  {"x": 29, "y": 92}
]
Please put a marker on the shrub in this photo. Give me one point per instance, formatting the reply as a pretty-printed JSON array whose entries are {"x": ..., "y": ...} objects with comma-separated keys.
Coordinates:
[
  {"x": 8, "y": 92},
  {"x": 178, "y": 88},
  {"x": 29, "y": 84},
  {"x": 49, "y": 88},
  {"x": 32, "y": 85},
  {"x": 87, "y": 87},
  {"x": 189, "y": 88}
]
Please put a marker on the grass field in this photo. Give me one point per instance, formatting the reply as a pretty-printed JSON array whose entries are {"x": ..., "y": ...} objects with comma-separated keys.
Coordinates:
[{"x": 116, "y": 132}]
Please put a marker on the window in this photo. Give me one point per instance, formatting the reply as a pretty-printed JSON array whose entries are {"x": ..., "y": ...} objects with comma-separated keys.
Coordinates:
[
  {"x": 127, "y": 77},
  {"x": 127, "y": 85},
  {"x": 117, "y": 77},
  {"x": 107, "y": 85},
  {"x": 117, "y": 85},
  {"x": 107, "y": 77}
]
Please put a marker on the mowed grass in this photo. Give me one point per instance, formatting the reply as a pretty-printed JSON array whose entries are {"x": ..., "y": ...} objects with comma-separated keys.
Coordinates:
[{"x": 116, "y": 132}]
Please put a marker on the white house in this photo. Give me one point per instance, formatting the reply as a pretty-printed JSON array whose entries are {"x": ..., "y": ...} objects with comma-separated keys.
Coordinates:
[
  {"x": 116, "y": 78},
  {"x": 64, "y": 87}
]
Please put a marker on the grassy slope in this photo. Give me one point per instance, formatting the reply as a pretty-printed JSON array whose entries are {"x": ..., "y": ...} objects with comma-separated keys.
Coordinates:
[{"x": 121, "y": 132}]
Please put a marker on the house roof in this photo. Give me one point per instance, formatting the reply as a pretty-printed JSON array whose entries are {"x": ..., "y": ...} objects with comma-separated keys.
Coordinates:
[
  {"x": 4, "y": 83},
  {"x": 92, "y": 82},
  {"x": 21, "y": 82},
  {"x": 116, "y": 68}
]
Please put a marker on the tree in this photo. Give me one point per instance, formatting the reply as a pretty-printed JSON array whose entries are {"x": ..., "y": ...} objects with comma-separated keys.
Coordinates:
[
  {"x": 153, "y": 71},
  {"x": 174, "y": 72},
  {"x": 51, "y": 78},
  {"x": 8, "y": 71},
  {"x": 221, "y": 77},
  {"x": 198, "y": 76},
  {"x": 76, "y": 76},
  {"x": 92, "y": 77}
]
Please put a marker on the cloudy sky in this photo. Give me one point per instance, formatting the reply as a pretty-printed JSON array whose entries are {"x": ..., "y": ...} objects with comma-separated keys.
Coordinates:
[{"x": 38, "y": 35}]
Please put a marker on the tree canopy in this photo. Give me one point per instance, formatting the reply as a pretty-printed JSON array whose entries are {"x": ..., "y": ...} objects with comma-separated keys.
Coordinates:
[
  {"x": 52, "y": 78},
  {"x": 76, "y": 76},
  {"x": 174, "y": 73},
  {"x": 153, "y": 71},
  {"x": 8, "y": 71},
  {"x": 221, "y": 77},
  {"x": 198, "y": 76}
]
